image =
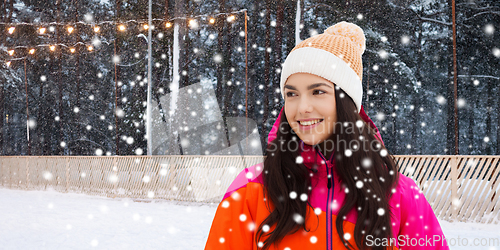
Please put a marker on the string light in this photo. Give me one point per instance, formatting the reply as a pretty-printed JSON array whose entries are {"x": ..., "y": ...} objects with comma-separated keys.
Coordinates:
[
  {"x": 193, "y": 23},
  {"x": 8, "y": 64}
]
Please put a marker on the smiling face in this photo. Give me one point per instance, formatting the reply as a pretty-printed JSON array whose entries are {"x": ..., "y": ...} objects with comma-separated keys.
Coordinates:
[{"x": 310, "y": 107}]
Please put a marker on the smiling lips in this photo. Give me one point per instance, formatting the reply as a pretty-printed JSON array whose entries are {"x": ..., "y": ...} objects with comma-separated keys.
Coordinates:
[{"x": 309, "y": 124}]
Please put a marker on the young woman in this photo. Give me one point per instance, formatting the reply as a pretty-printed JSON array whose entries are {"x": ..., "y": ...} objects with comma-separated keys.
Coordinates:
[{"x": 327, "y": 181}]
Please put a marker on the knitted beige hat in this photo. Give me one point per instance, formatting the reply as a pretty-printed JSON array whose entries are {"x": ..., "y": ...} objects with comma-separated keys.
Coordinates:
[{"x": 334, "y": 55}]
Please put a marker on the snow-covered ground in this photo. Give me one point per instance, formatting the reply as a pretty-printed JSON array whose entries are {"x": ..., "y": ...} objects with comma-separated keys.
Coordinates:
[{"x": 52, "y": 220}]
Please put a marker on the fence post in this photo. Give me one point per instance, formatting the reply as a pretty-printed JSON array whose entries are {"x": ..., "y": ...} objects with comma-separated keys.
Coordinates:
[
  {"x": 27, "y": 175},
  {"x": 454, "y": 186},
  {"x": 67, "y": 174}
]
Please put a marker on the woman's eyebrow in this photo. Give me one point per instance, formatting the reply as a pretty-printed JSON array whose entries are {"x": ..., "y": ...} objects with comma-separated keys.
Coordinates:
[{"x": 312, "y": 86}]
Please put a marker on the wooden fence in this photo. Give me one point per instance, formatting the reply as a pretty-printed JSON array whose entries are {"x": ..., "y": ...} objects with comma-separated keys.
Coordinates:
[{"x": 463, "y": 188}]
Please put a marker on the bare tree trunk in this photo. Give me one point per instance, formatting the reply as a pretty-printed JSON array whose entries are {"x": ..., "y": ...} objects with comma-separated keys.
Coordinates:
[
  {"x": 489, "y": 109},
  {"x": 117, "y": 74},
  {"x": 267, "y": 65},
  {"x": 219, "y": 23},
  {"x": 450, "y": 126},
  {"x": 278, "y": 50},
  {"x": 60, "y": 150}
]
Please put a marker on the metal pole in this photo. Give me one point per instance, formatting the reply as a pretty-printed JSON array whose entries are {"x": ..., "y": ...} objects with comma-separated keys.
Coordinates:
[
  {"x": 27, "y": 109},
  {"x": 148, "y": 111},
  {"x": 455, "y": 74}
]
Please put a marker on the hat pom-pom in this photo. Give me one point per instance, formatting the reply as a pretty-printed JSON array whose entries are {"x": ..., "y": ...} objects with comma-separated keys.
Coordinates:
[{"x": 349, "y": 30}]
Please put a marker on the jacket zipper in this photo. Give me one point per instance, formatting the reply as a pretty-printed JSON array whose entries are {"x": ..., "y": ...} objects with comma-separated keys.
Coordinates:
[{"x": 329, "y": 199}]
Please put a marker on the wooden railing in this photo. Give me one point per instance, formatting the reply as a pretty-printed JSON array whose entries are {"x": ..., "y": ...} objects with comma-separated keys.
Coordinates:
[{"x": 463, "y": 188}]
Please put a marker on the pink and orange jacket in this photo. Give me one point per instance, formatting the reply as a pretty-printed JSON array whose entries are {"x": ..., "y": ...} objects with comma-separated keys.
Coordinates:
[{"x": 244, "y": 208}]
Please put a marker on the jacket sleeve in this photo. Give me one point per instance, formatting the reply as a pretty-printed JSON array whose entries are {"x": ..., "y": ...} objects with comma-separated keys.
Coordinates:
[
  {"x": 419, "y": 227},
  {"x": 233, "y": 226}
]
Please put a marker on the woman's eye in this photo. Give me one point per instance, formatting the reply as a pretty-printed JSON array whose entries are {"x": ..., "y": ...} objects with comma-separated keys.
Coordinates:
[
  {"x": 318, "y": 92},
  {"x": 290, "y": 94}
]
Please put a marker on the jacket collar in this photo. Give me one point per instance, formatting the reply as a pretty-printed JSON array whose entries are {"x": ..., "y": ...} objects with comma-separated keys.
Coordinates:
[{"x": 313, "y": 158}]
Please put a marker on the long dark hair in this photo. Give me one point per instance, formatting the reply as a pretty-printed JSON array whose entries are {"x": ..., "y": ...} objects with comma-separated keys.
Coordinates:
[{"x": 374, "y": 166}]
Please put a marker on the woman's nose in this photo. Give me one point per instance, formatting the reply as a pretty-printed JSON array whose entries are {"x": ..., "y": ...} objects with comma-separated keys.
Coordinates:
[{"x": 305, "y": 106}]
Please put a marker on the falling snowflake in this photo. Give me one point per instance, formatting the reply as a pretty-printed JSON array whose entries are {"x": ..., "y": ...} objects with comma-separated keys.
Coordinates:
[
  {"x": 380, "y": 116},
  {"x": 47, "y": 175},
  {"x": 217, "y": 58},
  {"x": 347, "y": 236},
  {"x": 293, "y": 195},
  {"x": 348, "y": 152},
  {"x": 98, "y": 152},
  {"x": 317, "y": 211},
  {"x": 299, "y": 160},
  {"x": 303, "y": 197},
  {"x": 139, "y": 151},
  {"x": 265, "y": 228},
  {"x": 366, "y": 162},
  {"x": 298, "y": 218},
  {"x": 486, "y": 139},
  {"x": 243, "y": 217},
  {"x": 496, "y": 52},
  {"x": 383, "y": 153},
  {"x": 313, "y": 239},
  {"x": 405, "y": 40},
  {"x": 359, "y": 184},
  {"x": 380, "y": 211},
  {"x": 461, "y": 102},
  {"x": 489, "y": 29}
]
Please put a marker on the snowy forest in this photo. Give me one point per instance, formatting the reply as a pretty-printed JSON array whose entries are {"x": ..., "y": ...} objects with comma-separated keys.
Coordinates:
[{"x": 74, "y": 74}]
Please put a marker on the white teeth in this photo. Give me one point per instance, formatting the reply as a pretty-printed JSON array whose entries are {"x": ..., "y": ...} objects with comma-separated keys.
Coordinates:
[{"x": 308, "y": 123}]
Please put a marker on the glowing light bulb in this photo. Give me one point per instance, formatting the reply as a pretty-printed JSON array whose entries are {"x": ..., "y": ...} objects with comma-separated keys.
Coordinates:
[
  {"x": 42, "y": 30},
  {"x": 32, "y": 51},
  {"x": 72, "y": 50},
  {"x": 70, "y": 29},
  {"x": 122, "y": 27},
  {"x": 212, "y": 20},
  {"x": 193, "y": 23},
  {"x": 11, "y": 52},
  {"x": 52, "y": 48},
  {"x": 168, "y": 24},
  {"x": 231, "y": 18},
  {"x": 11, "y": 30},
  {"x": 96, "y": 29},
  {"x": 146, "y": 27},
  {"x": 8, "y": 64},
  {"x": 90, "y": 48}
]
